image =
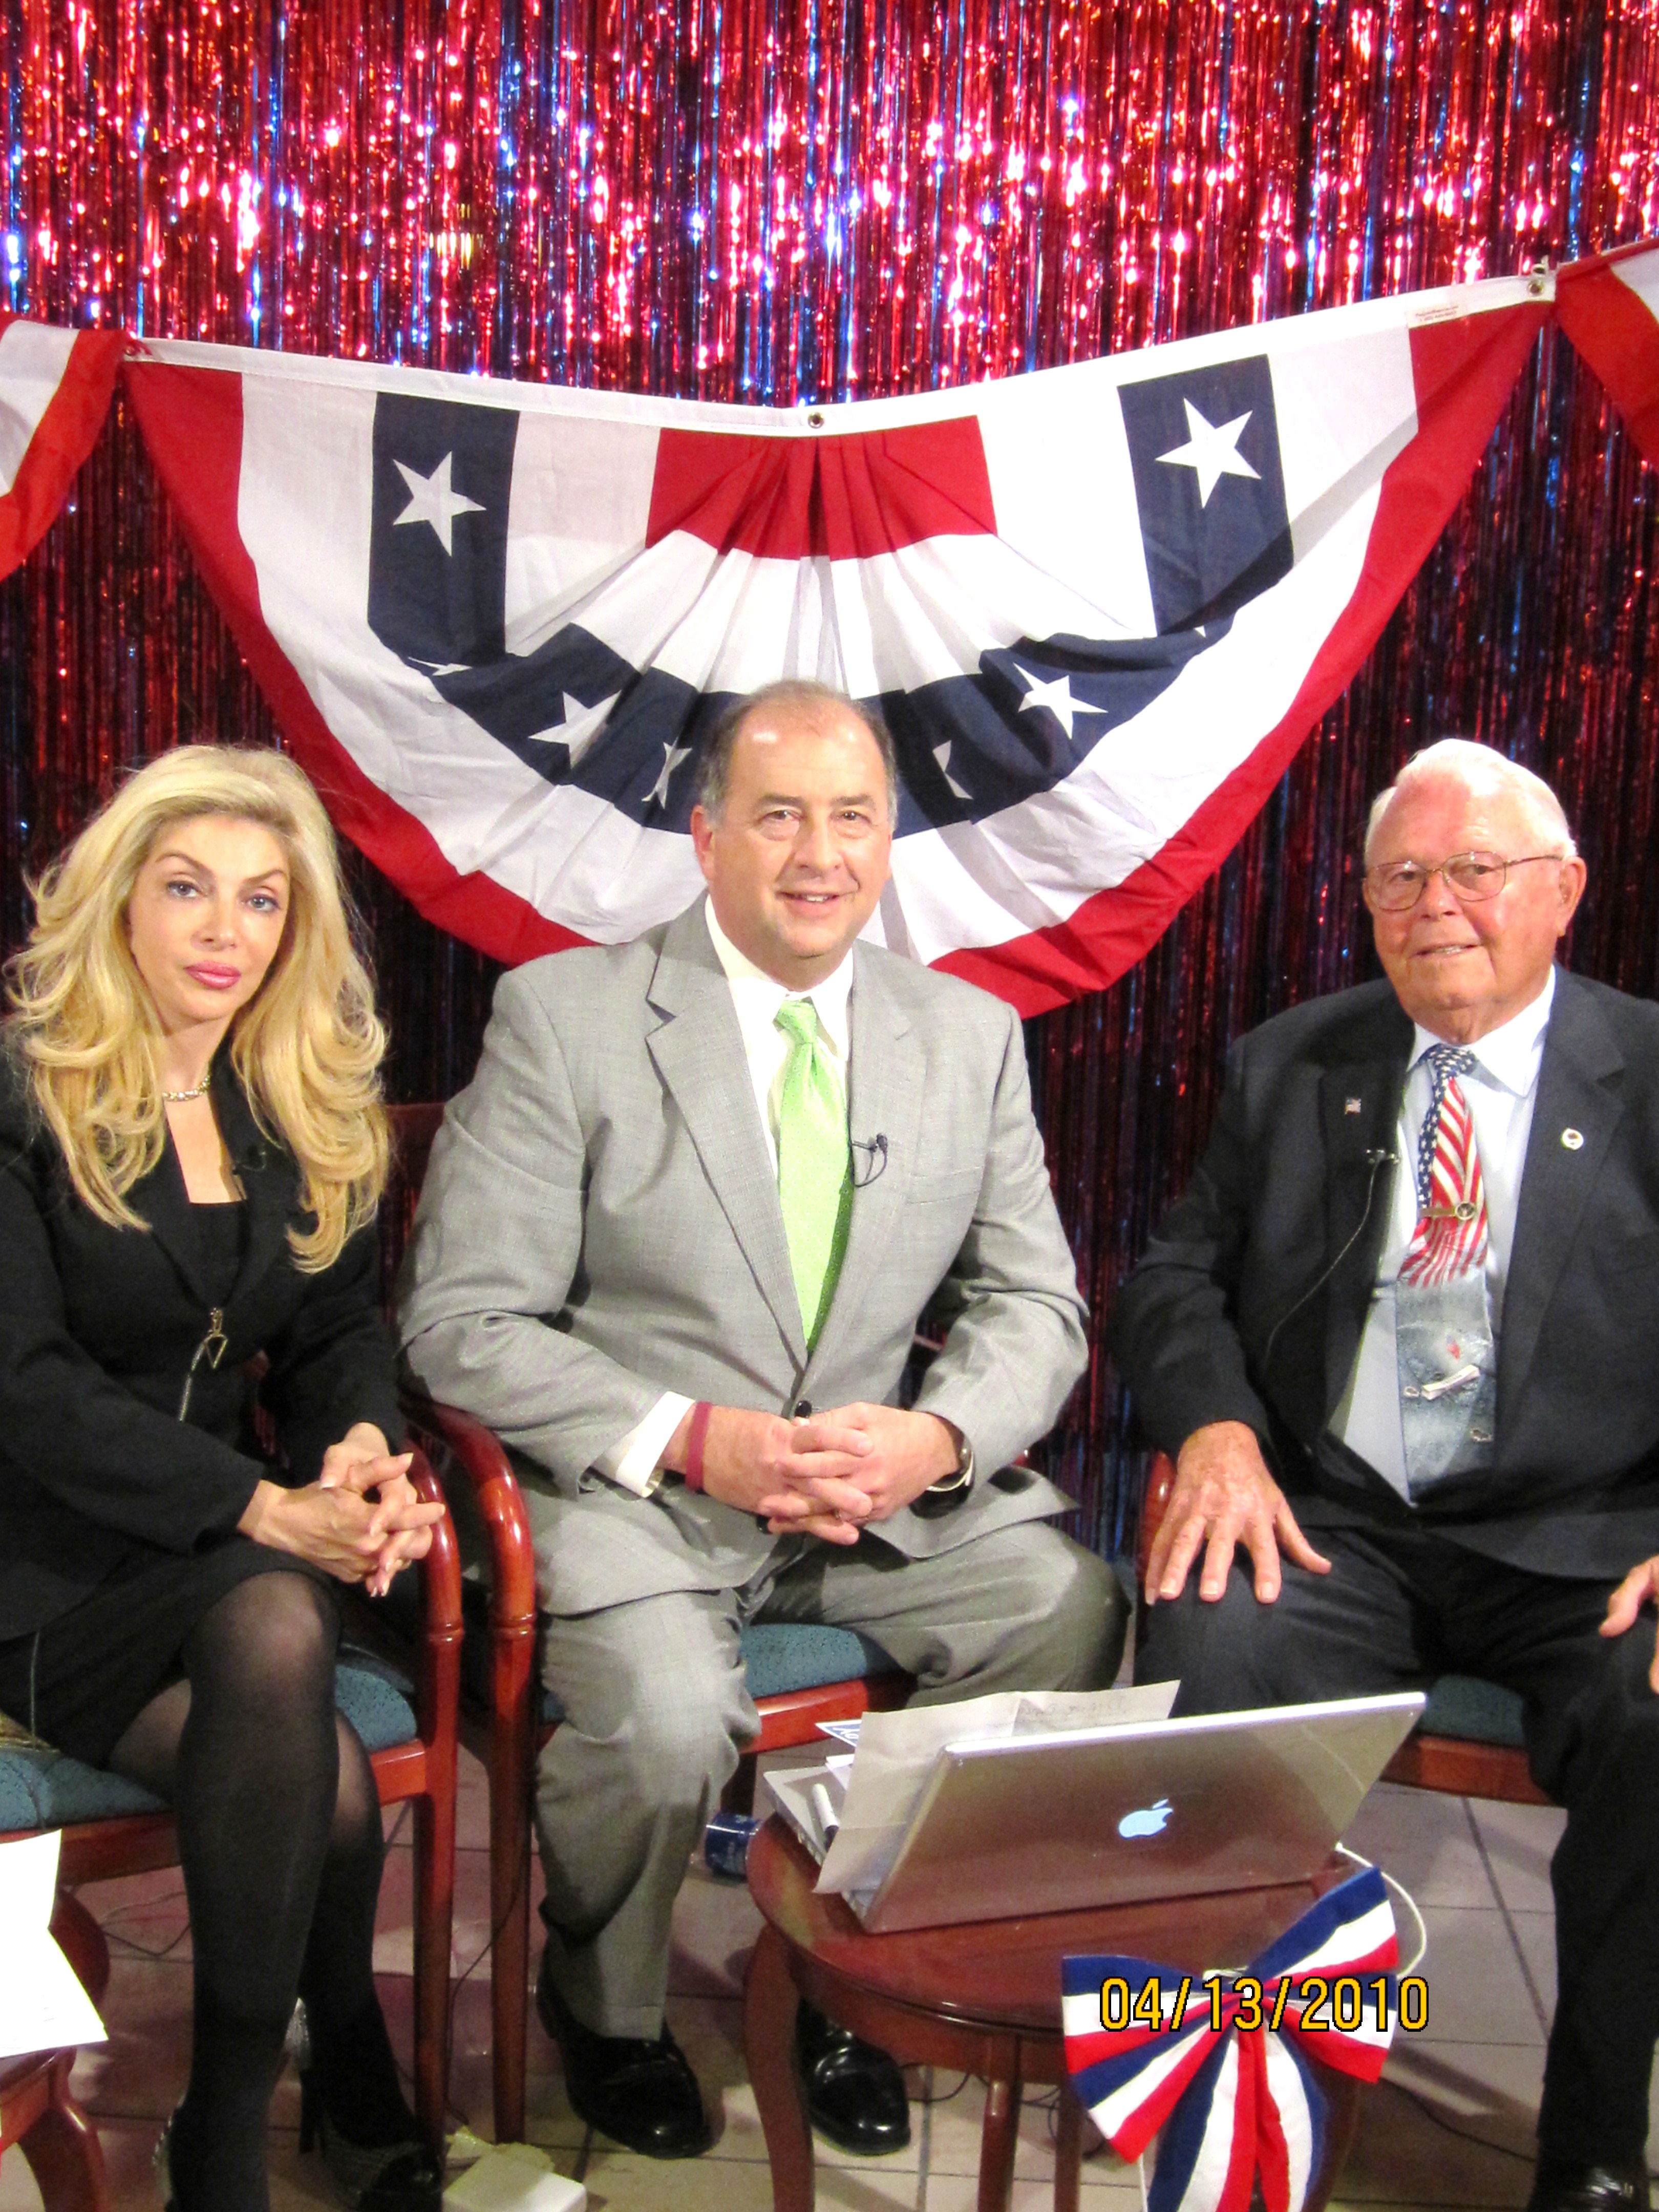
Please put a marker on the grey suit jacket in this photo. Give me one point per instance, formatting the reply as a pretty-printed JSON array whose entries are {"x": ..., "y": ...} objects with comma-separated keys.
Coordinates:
[{"x": 600, "y": 1223}]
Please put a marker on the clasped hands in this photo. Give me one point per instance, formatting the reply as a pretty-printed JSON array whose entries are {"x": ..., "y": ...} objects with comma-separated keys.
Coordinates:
[
  {"x": 362, "y": 1520},
  {"x": 830, "y": 1474}
]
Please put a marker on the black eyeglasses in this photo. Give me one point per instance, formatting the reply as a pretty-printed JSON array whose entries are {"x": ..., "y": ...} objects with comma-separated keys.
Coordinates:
[{"x": 1397, "y": 886}]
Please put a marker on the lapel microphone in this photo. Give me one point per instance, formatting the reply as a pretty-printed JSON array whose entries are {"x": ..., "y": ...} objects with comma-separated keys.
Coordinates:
[{"x": 874, "y": 1162}]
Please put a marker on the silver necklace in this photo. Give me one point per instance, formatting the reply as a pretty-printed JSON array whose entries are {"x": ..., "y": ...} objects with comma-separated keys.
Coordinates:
[{"x": 178, "y": 1097}]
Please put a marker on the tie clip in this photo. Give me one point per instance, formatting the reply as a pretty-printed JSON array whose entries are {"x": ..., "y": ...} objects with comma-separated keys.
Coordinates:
[
  {"x": 1444, "y": 1383},
  {"x": 1465, "y": 1210}
]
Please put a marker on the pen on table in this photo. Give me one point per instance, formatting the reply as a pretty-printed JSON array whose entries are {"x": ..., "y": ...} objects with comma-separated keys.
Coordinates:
[{"x": 824, "y": 1811}]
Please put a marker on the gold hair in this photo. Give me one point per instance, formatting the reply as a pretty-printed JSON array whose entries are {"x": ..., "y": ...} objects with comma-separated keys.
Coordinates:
[{"x": 306, "y": 1048}]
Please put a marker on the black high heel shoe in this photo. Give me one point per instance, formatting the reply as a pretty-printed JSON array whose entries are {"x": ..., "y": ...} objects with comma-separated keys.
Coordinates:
[{"x": 394, "y": 2177}]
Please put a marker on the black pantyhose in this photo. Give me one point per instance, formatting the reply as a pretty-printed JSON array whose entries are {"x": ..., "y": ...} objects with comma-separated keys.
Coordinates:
[{"x": 280, "y": 1841}]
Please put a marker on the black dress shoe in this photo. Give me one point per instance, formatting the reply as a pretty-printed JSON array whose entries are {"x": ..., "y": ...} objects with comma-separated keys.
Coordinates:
[
  {"x": 854, "y": 2092},
  {"x": 1562, "y": 2184},
  {"x": 640, "y": 2092}
]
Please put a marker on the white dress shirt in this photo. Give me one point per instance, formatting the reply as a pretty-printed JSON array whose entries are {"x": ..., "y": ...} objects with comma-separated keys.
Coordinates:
[
  {"x": 756, "y": 997},
  {"x": 1502, "y": 1090}
]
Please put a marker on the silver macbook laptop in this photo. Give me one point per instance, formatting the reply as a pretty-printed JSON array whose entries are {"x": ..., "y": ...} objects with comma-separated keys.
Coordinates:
[{"x": 1061, "y": 1822}]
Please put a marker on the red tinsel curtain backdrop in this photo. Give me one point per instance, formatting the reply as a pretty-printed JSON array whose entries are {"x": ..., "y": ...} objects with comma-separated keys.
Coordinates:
[{"x": 793, "y": 200}]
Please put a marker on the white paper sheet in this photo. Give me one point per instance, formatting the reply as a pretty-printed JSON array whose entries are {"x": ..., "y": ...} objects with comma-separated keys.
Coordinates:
[{"x": 43, "y": 2005}]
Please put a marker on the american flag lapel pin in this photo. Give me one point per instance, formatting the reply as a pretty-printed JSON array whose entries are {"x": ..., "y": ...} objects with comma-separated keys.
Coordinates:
[{"x": 1350, "y": 1105}]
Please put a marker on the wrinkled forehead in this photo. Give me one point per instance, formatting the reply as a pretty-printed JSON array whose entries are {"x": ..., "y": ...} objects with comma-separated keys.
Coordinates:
[{"x": 1433, "y": 817}]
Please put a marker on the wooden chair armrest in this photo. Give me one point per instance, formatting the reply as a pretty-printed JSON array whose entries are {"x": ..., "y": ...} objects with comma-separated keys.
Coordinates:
[
  {"x": 499, "y": 1502},
  {"x": 438, "y": 1693},
  {"x": 1154, "y": 1502},
  {"x": 440, "y": 1570}
]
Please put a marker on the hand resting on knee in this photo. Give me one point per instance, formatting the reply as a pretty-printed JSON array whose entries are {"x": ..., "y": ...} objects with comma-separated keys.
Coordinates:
[{"x": 1222, "y": 1496}]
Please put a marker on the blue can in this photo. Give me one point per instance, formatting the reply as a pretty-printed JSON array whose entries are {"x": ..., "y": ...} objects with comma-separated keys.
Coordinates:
[{"x": 726, "y": 1844}]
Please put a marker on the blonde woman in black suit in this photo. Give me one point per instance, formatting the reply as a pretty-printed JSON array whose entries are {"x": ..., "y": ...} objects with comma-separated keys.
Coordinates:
[{"x": 192, "y": 1150}]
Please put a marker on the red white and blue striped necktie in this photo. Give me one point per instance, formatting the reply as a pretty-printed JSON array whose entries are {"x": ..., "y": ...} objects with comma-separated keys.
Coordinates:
[{"x": 1451, "y": 1237}]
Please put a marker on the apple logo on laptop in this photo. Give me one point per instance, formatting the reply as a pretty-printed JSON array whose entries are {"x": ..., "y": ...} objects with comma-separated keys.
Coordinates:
[{"x": 1147, "y": 1822}]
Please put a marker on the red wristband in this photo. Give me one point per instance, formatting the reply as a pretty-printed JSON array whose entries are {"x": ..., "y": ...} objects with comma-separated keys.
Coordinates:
[{"x": 700, "y": 1417}]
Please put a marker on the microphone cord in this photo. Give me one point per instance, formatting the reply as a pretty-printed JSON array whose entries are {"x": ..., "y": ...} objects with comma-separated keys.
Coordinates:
[{"x": 1377, "y": 1160}]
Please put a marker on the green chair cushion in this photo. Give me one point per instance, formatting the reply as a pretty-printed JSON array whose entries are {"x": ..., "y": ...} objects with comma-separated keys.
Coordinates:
[
  {"x": 43, "y": 1788},
  {"x": 779, "y": 1656},
  {"x": 1475, "y": 1711}
]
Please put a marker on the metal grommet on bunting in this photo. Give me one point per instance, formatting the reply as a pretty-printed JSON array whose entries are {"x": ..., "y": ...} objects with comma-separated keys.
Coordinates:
[
  {"x": 815, "y": 420},
  {"x": 1572, "y": 1140}
]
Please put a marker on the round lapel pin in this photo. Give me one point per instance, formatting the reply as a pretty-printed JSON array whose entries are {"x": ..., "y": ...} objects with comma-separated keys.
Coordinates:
[{"x": 1572, "y": 1139}]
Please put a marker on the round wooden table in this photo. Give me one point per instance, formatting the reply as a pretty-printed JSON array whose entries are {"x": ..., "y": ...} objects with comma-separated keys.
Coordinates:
[
  {"x": 37, "y": 2112},
  {"x": 982, "y": 1998}
]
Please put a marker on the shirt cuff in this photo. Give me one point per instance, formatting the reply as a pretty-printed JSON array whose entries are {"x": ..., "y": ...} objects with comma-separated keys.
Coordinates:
[{"x": 631, "y": 1462}]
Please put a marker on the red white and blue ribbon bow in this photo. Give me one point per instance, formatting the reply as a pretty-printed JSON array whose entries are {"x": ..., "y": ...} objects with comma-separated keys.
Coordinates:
[{"x": 1223, "y": 2080}]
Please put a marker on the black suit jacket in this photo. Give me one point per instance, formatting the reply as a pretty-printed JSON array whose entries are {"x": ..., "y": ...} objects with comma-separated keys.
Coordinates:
[
  {"x": 1250, "y": 1300},
  {"x": 98, "y": 1328}
]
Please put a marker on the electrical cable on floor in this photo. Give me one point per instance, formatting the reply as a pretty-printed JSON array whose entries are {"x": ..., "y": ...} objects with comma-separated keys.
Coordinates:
[
  {"x": 456, "y": 1985},
  {"x": 1466, "y": 2135},
  {"x": 943, "y": 2097},
  {"x": 142, "y": 1950},
  {"x": 1406, "y": 1899},
  {"x": 1447, "y": 2127}
]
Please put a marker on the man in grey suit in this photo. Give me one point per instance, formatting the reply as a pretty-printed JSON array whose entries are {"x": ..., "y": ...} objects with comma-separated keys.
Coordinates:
[
  {"x": 673, "y": 1246},
  {"x": 1401, "y": 1331}
]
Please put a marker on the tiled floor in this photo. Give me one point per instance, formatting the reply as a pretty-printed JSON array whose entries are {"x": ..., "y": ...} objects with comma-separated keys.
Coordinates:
[{"x": 1451, "y": 2125}]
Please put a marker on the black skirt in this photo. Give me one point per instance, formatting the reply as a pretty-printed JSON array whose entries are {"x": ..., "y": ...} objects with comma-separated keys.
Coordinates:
[{"x": 82, "y": 1680}]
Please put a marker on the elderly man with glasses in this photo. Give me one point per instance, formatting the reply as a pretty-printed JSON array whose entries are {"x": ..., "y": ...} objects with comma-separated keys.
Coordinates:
[{"x": 1401, "y": 1335}]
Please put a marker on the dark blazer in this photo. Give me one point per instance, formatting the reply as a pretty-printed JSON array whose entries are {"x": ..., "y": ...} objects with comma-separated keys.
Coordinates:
[
  {"x": 1250, "y": 1300},
  {"x": 98, "y": 1330}
]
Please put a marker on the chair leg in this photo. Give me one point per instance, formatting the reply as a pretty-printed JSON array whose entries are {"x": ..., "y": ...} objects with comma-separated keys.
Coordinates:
[
  {"x": 434, "y": 1921},
  {"x": 63, "y": 2153},
  {"x": 739, "y": 1795},
  {"x": 510, "y": 1815}
]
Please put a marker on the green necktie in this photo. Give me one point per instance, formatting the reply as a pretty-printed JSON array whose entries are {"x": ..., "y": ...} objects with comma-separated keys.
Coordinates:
[{"x": 815, "y": 1164}]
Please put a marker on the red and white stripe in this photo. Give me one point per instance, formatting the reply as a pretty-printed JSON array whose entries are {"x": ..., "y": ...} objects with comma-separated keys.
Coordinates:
[
  {"x": 1609, "y": 308},
  {"x": 1444, "y": 1245},
  {"x": 55, "y": 389}
]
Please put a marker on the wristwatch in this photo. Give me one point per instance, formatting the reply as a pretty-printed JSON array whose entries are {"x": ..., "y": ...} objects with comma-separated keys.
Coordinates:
[{"x": 948, "y": 1492}]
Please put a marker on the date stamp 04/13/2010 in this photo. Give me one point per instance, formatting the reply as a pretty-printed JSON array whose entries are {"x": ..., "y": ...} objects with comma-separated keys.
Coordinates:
[{"x": 1344, "y": 2003}]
